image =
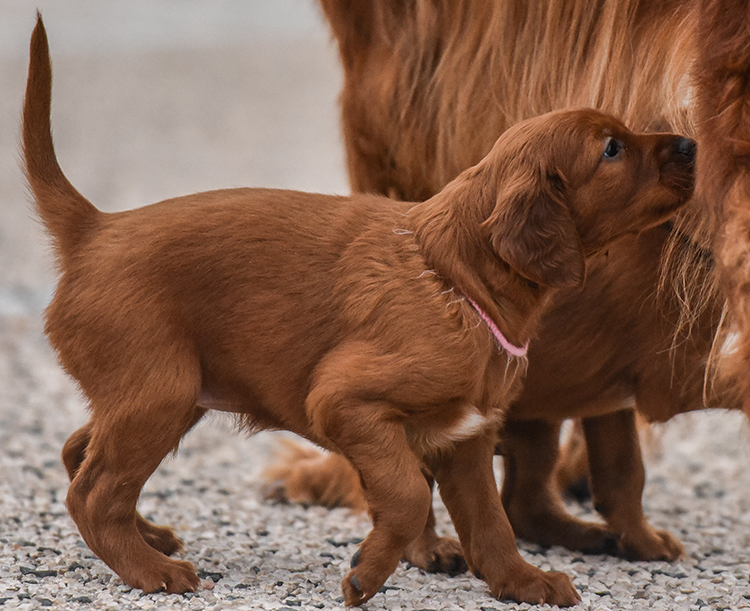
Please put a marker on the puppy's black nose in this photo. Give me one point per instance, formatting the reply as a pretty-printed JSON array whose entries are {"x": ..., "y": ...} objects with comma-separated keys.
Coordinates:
[{"x": 685, "y": 146}]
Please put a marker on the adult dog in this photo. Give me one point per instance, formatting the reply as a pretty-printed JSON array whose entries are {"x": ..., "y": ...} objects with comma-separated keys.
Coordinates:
[
  {"x": 722, "y": 78},
  {"x": 428, "y": 85},
  {"x": 291, "y": 310}
]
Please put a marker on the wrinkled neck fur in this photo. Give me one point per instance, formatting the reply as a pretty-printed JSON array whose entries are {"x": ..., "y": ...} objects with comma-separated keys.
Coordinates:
[{"x": 447, "y": 229}]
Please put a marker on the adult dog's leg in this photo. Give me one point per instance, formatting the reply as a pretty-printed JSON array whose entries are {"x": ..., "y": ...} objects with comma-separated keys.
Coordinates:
[
  {"x": 617, "y": 480},
  {"x": 530, "y": 495},
  {"x": 467, "y": 485}
]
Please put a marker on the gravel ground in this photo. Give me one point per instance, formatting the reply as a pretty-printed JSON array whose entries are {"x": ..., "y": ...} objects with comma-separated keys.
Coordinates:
[
  {"x": 156, "y": 98},
  {"x": 256, "y": 555}
]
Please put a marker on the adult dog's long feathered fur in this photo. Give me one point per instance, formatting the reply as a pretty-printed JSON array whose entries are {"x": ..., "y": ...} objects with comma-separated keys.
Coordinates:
[
  {"x": 722, "y": 94},
  {"x": 429, "y": 85}
]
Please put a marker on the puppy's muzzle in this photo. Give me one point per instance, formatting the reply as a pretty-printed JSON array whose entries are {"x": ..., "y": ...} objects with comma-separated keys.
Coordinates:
[
  {"x": 676, "y": 150},
  {"x": 685, "y": 147}
]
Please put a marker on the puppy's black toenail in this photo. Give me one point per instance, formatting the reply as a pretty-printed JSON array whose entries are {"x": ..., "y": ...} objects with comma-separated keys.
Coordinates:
[
  {"x": 611, "y": 545},
  {"x": 355, "y": 559},
  {"x": 457, "y": 566},
  {"x": 355, "y": 583},
  {"x": 579, "y": 490},
  {"x": 478, "y": 575}
]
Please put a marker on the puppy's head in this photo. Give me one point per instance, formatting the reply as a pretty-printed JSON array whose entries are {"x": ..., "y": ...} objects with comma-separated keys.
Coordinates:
[{"x": 568, "y": 183}]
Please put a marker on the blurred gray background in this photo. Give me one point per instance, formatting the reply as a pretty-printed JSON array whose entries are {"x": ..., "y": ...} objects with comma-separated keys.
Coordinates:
[{"x": 158, "y": 98}]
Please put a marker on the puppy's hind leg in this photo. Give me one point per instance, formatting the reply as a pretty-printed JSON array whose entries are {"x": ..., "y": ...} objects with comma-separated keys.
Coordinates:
[
  {"x": 433, "y": 553},
  {"x": 74, "y": 450},
  {"x": 130, "y": 432},
  {"x": 161, "y": 538}
]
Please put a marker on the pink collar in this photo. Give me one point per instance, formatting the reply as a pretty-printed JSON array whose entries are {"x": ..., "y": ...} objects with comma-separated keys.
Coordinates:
[{"x": 501, "y": 339}]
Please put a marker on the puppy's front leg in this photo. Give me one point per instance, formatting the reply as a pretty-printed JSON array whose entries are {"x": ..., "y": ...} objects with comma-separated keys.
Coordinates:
[
  {"x": 397, "y": 493},
  {"x": 467, "y": 485}
]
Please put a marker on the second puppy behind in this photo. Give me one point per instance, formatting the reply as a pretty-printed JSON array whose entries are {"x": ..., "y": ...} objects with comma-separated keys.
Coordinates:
[{"x": 389, "y": 332}]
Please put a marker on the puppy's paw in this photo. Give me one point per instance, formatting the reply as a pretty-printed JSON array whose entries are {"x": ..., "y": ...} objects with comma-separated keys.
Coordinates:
[
  {"x": 436, "y": 555},
  {"x": 161, "y": 538},
  {"x": 531, "y": 585},
  {"x": 354, "y": 592},
  {"x": 651, "y": 544},
  {"x": 170, "y": 576},
  {"x": 369, "y": 572}
]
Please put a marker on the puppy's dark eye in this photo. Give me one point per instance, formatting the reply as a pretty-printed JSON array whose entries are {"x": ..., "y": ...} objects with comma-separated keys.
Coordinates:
[{"x": 613, "y": 148}]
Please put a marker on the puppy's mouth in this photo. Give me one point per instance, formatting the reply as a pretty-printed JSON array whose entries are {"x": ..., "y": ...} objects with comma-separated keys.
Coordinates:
[
  {"x": 666, "y": 203},
  {"x": 678, "y": 178},
  {"x": 665, "y": 211}
]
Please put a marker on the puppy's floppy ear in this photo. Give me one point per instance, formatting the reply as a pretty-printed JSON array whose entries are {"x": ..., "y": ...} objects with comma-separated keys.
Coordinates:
[{"x": 531, "y": 229}]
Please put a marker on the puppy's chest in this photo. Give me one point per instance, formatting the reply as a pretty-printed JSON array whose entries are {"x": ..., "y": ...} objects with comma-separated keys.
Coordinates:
[
  {"x": 439, "y": 430},
  {"x": 456, "y": 421}
]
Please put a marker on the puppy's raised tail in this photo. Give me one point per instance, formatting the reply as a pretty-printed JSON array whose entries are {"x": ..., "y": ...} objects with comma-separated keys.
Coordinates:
[{"x": 68, "y": 216}]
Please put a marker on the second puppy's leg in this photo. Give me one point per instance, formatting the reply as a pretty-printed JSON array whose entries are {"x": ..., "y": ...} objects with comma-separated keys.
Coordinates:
[
  {"x": 617, "y": 481},
  {"x": 530, "y": 496}
]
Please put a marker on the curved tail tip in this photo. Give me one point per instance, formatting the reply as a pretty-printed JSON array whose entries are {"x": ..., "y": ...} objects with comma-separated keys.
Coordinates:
[{"x": 39, "y": 31}]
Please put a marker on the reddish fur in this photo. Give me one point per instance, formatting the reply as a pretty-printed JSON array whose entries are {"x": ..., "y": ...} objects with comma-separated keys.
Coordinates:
[
  {"x": 199, "y": 303},
  {"x": 428, "y": 86},
  {"x": 723, "y": 109}
]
